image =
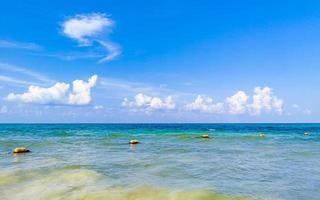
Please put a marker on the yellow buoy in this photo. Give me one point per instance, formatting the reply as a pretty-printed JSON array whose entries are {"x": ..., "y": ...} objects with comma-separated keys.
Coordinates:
[
  {"x": 206, "y": 136},
  {"x": 306, "y": 133},
  {"x": 262, "y": 135},
  {"x": 133, "y": 142},
  {"x": 21, "y": 150}
]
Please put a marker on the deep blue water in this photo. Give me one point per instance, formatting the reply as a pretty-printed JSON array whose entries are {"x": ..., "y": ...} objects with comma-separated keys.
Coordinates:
[{"x": 83, "y": 161}]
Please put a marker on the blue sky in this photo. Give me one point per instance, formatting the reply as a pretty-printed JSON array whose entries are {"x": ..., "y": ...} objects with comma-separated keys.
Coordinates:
[{"x": 159, "y": 61}]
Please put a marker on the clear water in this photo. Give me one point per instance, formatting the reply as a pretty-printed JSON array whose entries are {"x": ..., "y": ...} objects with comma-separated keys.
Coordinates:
[{"x": 95, "y": 161}]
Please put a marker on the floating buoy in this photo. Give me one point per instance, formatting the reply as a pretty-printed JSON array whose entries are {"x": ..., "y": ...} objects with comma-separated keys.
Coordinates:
[
  {"x": 262, "y": 135},
  {"x": 21, "y": 150},
  {"x": 306, "y": 133},
  {"x": 206, "y": 136},
  {"x": 133, "y": 142}
]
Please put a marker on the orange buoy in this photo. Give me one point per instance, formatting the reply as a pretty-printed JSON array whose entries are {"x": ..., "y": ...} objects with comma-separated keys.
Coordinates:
[
  {"x": 21, "y": 150},
  {"x": 133, "y": 142}
]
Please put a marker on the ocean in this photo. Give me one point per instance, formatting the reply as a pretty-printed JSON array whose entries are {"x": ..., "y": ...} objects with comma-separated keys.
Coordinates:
[{"x": 171, "y": 161}]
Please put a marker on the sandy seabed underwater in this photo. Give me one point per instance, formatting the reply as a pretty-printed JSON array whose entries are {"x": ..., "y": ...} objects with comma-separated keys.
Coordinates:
[{"x": 95, "y": 161}]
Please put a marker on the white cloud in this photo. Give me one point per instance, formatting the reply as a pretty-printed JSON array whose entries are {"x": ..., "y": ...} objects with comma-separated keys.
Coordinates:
[
  {"x": 142, "y": 101},
  {"x": 237, "y": 103},
  {"x": 204, "y": 104},
  {"x": 19, "y": 45},
  {"x": 83, "y": 27},
  {"x": 167, "y": 103},
  {"x": 264, "y": 100},
  {"x": 87, "y": 29},
  {"x": 277, "y": 104},
  {"x": 35, "y": 94},
  {"x": 81, "y": 91},
  {"x": 58, "y": 93}
]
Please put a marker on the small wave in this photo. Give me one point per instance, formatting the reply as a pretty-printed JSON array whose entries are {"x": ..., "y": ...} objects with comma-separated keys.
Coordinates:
[
  {"x": 155, "y": 193},
  {"x": 75, "y": 184}
]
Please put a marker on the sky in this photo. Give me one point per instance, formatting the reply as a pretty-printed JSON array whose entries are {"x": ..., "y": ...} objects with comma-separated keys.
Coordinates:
[{"x": 102, "y": 61}]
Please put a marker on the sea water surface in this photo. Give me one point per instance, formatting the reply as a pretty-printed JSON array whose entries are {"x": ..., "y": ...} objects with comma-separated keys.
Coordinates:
[{"x": 95, "y": 161}]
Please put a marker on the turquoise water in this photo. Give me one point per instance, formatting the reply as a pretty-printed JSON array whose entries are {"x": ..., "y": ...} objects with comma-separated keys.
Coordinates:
[{"x": 95, "y": 161}]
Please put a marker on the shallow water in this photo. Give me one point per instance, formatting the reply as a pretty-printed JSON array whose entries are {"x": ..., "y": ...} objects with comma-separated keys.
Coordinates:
[{"x": 95, "y": 161}]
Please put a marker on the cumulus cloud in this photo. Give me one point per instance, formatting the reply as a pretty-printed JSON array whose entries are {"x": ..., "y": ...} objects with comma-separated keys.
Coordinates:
[
  {"x": 81, "y": 91},
  {"x": 58, "y": 94},
  {"x": 205, "y": 104},
  {"x": 36, "y": 94},
  {"x": 88, "y": 28},
  {"x": 142, "y": 101},
  {"x": 237, "y": 103},
  {"x": 84, "y": 28},
  {"x": 264, "y": 100}
]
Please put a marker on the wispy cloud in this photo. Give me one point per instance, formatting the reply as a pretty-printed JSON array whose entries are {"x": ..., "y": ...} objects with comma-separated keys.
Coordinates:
[
  {"x": 11, "y": 80},
  {"x": 38, "y": 78},
  {"x": 88, "y": 29},
  {"x": 125, "y": 87},
  {"x": 133, "y": 87},
  {"x": 113, "y": 49},
  {"x": 19, "y": 45},
  {"x": 74, "y": 55}
]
